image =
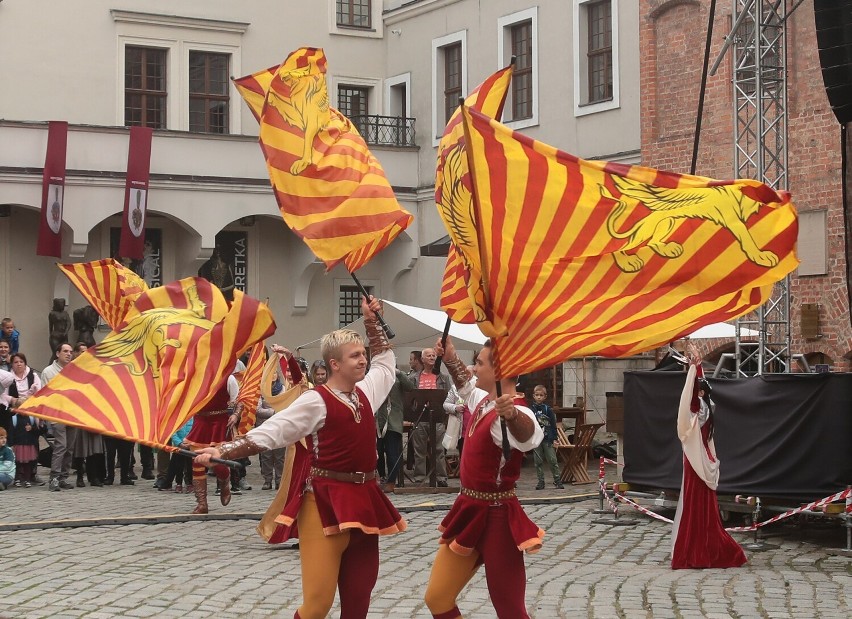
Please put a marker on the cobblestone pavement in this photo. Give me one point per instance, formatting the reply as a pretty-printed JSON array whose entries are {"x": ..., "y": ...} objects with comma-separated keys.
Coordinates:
[{"x": 221, "y": 568}]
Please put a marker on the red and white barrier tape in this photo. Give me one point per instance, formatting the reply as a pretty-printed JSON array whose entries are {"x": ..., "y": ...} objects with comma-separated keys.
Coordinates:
[{"x": 845, "y": 494}]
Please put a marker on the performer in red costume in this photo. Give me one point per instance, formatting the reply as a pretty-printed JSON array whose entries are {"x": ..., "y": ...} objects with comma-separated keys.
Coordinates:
[
  {"x": 209, "y": 427},
  {"x": 698, "y": 538},
  {"x": 486, "y": 524},
  {"x": 336, "y": 503}
]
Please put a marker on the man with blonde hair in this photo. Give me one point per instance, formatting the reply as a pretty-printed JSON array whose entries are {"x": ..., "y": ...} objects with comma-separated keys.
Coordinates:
[{"x": 334, "y": 504}]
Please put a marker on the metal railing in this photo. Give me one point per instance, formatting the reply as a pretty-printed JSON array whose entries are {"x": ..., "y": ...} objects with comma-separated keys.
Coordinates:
[{"x": 385, "y": 130}]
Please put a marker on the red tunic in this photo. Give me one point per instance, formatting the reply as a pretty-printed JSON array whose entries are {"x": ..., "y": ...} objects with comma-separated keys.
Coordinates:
[
  {"x": 211, "y": 425},
  {"x": 463, "y": 526},
  {"x": 346, "y": 444}
]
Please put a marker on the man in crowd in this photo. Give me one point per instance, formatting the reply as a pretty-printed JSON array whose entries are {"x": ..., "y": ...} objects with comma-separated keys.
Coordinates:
[
  {"x": 63, "y": 436},
  {"x": 425, "y": 379}
]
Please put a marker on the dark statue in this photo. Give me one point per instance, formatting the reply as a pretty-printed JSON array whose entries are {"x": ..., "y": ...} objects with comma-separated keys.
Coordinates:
[
  {"x": 219, "y": 273},
  {"x": 60, "y": 324},
  {"x": 85, "y": 322}
]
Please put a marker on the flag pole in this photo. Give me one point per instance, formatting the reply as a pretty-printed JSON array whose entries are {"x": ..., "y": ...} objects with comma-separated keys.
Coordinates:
[
  {"x": 385, "y": 326},
  {"x": 436, "y": 369},
  {"x": 229, "y": 463}
]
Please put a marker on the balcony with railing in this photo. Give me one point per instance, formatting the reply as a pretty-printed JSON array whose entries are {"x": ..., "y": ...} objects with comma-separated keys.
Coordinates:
[{"x": 385, "y": 130}]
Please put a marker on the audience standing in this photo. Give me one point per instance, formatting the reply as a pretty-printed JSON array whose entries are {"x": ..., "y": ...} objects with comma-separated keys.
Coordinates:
[{"x": 63, "y": 436}]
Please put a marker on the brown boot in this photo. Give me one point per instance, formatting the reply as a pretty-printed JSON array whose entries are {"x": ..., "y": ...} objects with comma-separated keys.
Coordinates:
[
  {"x": 200, "y": 487},
  {"x": 389, "y": 488},
  {"x": 224, "y": 490}
]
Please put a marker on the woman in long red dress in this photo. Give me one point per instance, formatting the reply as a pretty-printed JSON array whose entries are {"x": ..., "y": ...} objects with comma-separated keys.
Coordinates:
[{"x": 698, "y": 538}]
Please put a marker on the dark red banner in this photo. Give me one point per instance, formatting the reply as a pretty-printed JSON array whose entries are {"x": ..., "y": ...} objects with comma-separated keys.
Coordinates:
[
  {"x": 136, "y": 194},
  {"x": 53, "y": 191}
]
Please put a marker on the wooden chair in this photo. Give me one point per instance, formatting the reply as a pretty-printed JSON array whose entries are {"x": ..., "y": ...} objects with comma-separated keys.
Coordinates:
[
  {"x": 576, "y": 455},
  {"x": 562, "y": 445}
]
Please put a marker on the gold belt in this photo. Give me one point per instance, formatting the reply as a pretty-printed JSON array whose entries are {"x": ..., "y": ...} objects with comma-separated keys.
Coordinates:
[
  {"x": 488, "y": 496},
  {"x": 212, "y": 413},
  {"x": 353, "y": 478}
]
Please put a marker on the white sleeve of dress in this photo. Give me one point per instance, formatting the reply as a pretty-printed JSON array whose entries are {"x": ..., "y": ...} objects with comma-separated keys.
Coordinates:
[
  {"x": 378, "y": 382},
  {"x": 303, "y": 417},
  {"x": 233, "y": 388},
  {"x": 530, "y": 443}
]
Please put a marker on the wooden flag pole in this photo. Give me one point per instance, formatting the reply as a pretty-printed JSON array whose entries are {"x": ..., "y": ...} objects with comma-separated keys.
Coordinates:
[
  {"x": 385, "y": 326},
  {"x": 436, "y": 369},
  {"x": 229, "y": 463},
  {"x": 507, "y": 449}
]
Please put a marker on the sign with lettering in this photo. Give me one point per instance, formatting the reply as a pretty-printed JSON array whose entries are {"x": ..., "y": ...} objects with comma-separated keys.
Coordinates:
[{"x": 149, "y": 267}]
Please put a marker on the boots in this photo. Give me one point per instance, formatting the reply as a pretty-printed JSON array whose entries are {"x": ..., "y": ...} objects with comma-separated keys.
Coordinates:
[
  {"x": 80, "y": 482},
  {"x": 224, "y": 490},
  {"x": 200, "y": 486}
]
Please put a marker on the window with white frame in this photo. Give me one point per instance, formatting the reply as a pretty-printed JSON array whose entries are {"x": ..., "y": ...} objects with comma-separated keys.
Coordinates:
[
  {"x": 517, "y": 36},
  {"x": 353, "y": 101},
  {"x": 449, "y": 79},
  {"x": 145, "y": 90},
  {"x": 355, "y": 18},
  {"x": 174, "y": 72},
  {"x": 353, "y": 13},
  {"x": 595, "y": 56}
]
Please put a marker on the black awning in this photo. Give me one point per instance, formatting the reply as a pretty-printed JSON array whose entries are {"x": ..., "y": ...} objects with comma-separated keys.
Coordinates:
[{"x": 441, "y": 247}]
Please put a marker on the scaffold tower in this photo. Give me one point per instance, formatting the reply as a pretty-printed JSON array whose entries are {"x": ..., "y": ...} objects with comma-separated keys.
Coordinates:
[{"x": 760, "y": 152}]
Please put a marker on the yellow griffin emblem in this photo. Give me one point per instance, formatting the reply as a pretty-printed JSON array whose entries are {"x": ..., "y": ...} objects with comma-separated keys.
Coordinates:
[
  {"x": 725, "y": 205},
  {"x": 456, "y": 204},
  {"x": 148, "y": 332}
]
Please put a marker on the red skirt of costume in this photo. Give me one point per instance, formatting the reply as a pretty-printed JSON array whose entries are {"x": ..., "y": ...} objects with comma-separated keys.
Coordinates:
[
  {"x": 702, "y": 541},
  {"x": 346, "y": 444},
  {"x": 464, "y": 524}
]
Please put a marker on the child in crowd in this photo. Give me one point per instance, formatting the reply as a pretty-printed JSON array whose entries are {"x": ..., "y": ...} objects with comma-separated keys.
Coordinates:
[
  {"x": 180, "y": 466},
  {"x": 545, "y": 451},
  {"x": 7, "y": 462},
  {"x": 24, "y": 439}
]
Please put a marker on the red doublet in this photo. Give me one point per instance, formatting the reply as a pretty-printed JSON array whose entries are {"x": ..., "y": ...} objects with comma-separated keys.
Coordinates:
[
  {"x": 345, "y": 444},
  {"x": 465, "y": 523},
  {"x": 211, "y": 425}
]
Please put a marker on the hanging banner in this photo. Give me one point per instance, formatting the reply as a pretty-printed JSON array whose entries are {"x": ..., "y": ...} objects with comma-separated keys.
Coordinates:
[
  {"x": 149, "y": 267},
  {"x": 136, "y": 193},
  {"x": 53, "y": 191}
]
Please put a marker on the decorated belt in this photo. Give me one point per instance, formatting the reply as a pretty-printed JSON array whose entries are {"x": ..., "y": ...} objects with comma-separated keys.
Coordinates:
[
  {"x": 353, "y": 478},
  {"x": 488, "y": 496},
  {"x": 212, "y": 413}
]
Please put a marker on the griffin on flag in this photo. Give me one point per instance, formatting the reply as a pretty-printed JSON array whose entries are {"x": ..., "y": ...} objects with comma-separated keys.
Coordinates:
[
  {"x": 163, "y": 362},
  {"x": 331, "y": 190},
  {"x": 599, "y": 258},
  {"x": 108, "y": 286},
  {"x": 452, "y": 192}
]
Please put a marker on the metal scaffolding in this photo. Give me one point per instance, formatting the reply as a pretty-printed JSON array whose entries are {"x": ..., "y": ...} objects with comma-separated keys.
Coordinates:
[{"x": 760, "y": 152}]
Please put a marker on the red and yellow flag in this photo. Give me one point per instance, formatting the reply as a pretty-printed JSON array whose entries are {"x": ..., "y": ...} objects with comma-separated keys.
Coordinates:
[
  {"x": 598, "y": 258},
  {"x": 108, "y": 286},
  {"x": 165, "y": 361},
  {"x": 452, "y": 190},
  {"x": 250, "y": 388},
  {"x": 331, "y": 190}
]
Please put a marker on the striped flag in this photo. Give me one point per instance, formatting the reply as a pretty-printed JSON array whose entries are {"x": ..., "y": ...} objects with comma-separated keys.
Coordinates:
[
  {"x": 108, "y": 286},
  {"x": 452, "y": 192},
  {"x": 250, "y": 389},
  {"x": 331, "y": 190},
  {"x": 165, "y": 361},
  {"x": 598, "y": 258}
]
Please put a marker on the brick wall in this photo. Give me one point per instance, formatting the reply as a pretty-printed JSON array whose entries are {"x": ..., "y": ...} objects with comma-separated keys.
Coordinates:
[{"x": 672, "y": 37}]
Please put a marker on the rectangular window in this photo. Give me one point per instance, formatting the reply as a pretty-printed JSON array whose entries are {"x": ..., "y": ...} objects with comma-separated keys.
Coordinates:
[
  {"x": 353, "y": 13},
  {"x": 452, "y": 79},
  {"x": 145, "y": 87},
  {"x": 352, "y": 100},
  {"x": 599, "y": 51},
  {"x": 522, "y": 75},
  {"x": 349, "y": 304},
  {"x": 208, "y": 92}
]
